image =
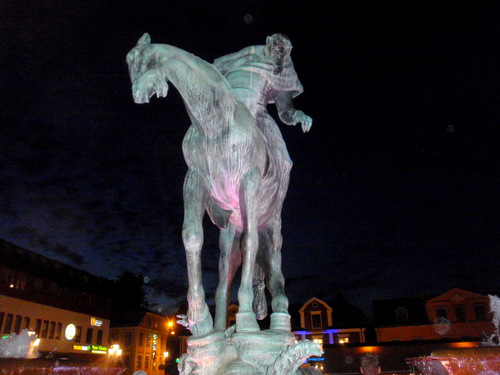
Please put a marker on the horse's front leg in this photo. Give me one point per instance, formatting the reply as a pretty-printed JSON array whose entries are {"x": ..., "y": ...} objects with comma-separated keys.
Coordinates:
[
  {"x": 280, "y": 319},
  {"x": 250, "y": 185},
  {"x": 229, "y": 261},
  {"x": 195, "y": 198}
]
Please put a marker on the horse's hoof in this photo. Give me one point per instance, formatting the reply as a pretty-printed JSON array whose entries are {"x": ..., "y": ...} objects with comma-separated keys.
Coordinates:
[
  {"x": 246, "y": 322},
  {"x": 280, "y": 321}
]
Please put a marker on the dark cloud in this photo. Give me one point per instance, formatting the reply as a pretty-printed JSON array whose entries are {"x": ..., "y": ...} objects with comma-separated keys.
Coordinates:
[
  {"x": 385, "y": 199},
  {"x": 71, "y": 256}
]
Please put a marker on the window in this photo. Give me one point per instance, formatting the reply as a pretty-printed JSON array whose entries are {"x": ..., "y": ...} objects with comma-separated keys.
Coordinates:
[
  {"x": 8, "y": 323},
  {"x": 128, "y": 338},
  {"x": 441, "y": 312},
  {"x": 148, "y": 341},
  {"x": 460, "y": 313},
  {"x": 78, "y": 334},
  {"x": 402, "y": 315},
  {"x": 146, "y": 362},
  {"x": 343, "y": 338},
  {"x": 479, "y": 313},
  {"x": 38, "y": 283},
  {"x": 45, "y": 329},
  {"x": 17, "y": 324},
  {"x": 99, "y": 337},
  {"x": 139, "y": 361},
  {"x": 52, "y": 330},
  {"x": 316, "y": 319},
  {"x": 58, "y": 331},
  {"x": 1, "y": 319},
  {"x": 38, "y": 326},
  {"x": 141, "y": 339},
  {"x": 88, "y": 339},
  {"x": 26, "y": 322}
]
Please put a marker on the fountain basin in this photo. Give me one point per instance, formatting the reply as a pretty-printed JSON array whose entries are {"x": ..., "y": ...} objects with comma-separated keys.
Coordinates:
[
  {"x": 39, "y": 366},
  {"x": 482, "y": 360}
]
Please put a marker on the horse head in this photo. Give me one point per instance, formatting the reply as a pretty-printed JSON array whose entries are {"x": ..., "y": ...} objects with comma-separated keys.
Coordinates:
[{"x": 144, "y": 66}]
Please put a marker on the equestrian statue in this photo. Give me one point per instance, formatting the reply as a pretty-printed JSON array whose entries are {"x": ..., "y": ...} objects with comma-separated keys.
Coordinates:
[{"x": 238, "y": 173}]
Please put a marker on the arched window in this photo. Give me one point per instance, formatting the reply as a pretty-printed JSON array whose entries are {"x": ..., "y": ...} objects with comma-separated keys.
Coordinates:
[{"x": 402, "y": 315}]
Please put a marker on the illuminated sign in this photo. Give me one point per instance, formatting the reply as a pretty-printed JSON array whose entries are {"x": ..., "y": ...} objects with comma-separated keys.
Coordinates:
[
  {"x": 95, "y": 322},
  {"x": 98, "y": 349},
  {"x": 316, "y": 359},
  {"x": 70, "y": 332},
  {"x": 84, "y": 348}
]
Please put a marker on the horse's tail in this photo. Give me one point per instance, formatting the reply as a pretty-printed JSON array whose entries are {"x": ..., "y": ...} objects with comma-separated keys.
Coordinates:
[{"x": 259, "y": 305}]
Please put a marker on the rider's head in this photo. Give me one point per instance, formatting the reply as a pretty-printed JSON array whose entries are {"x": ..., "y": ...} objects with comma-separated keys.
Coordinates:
[{"x": 278, "y": 46}]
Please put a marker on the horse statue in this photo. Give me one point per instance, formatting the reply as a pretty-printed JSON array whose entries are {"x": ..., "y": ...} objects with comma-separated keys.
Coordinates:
[{"x": 233, "y": 175}]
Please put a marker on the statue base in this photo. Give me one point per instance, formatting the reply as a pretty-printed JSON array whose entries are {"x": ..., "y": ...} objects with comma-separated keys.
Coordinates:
[{"x": 269, "y": 352}]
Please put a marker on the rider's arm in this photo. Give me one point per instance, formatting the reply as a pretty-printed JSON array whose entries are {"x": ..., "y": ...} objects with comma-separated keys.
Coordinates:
[
  {"x": 288, "y": 114},
  {"x": 224, "y": 62}
]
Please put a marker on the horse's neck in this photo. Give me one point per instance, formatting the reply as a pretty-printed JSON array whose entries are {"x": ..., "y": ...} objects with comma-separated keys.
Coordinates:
[{"x": 208, "y": 97}]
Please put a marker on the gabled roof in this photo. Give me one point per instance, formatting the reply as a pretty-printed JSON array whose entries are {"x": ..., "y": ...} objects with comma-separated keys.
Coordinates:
[
  {"x": 315, "y": 299},
  {"x": 384, "y": 311},
  {"x": 131, "y": 317},
  {"x": 456, "y": 295}
]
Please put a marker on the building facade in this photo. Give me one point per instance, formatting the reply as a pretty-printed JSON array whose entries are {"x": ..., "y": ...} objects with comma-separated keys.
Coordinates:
[
  {"x": 64, "y": 306},
  {"x": 454, "y": 315},
  {"x": 321, "y": 323},
  {"x": 143, "y": 336}
]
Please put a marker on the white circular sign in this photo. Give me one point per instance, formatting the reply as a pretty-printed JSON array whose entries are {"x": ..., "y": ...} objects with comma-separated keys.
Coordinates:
[{"x": 70, "y": 332}]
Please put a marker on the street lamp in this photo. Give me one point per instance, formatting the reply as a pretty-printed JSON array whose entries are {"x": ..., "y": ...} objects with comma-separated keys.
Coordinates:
[{"x": 115, "y": 350}]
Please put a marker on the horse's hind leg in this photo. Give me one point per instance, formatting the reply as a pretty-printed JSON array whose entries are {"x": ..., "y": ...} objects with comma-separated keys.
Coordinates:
[
  {"x": 195, "y": 197},
  {"x": 229, "y": 261},
  {"x": 250, "y": 185}
]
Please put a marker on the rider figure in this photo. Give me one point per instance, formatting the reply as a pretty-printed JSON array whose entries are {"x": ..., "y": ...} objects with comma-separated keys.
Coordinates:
[{"x": 260, "y": 75}]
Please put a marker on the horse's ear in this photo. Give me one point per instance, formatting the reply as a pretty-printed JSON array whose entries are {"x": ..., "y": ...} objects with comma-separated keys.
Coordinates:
[{"x": 145, "y": 39}]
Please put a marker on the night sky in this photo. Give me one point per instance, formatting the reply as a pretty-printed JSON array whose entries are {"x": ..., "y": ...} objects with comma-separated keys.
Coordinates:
[{"x": 393, "y": 193}]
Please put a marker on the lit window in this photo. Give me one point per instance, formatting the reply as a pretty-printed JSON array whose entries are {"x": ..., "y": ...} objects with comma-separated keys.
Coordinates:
[
  {"x": 343, "y": 338},
  {"x": 319, "y": 342}
]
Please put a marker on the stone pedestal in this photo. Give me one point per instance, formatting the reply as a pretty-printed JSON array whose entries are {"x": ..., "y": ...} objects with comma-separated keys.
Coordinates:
[{"x": 268, "y": 352}]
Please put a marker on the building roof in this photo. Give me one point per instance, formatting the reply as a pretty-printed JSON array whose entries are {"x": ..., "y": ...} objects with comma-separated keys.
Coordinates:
[
  {"x": 385, "y": 311},
  {"x": 39, "y": 265}
]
